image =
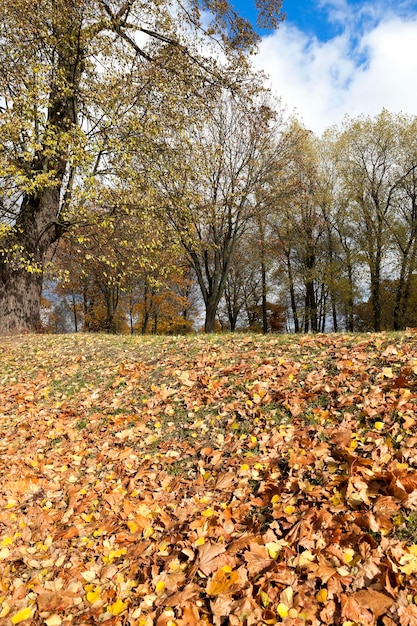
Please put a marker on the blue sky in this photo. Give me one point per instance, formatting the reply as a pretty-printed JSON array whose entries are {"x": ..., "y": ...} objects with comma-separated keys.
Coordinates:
[
  {"x": 302, "y": 13},
  {"x": 335, "y": 57},
  {"x": 325, "y": 18}
]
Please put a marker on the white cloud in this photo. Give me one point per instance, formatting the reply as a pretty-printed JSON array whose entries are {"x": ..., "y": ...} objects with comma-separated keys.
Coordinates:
[{"x": 356, "y": 72}]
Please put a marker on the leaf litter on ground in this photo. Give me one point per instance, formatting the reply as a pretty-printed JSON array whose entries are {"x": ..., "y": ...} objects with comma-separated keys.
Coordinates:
[{"x": 220, "y": 480}]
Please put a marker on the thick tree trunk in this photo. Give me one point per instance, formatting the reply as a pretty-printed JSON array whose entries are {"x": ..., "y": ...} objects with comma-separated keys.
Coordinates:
[
  {"x": 22, "y": 262},
  {"x": 210, "y": 320},
  {"x": 20, "y": 299}
]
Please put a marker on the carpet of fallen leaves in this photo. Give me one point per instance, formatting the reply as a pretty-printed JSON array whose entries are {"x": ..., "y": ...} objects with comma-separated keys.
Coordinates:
[{"x": 228, "y": 480}]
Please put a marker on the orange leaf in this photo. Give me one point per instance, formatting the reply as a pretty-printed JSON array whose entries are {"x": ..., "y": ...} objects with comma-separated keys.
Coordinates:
[{"x": 223, "y": 581}]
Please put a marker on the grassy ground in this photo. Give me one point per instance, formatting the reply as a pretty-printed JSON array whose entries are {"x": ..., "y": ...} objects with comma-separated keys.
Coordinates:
[{"x": 216, "y": 480}]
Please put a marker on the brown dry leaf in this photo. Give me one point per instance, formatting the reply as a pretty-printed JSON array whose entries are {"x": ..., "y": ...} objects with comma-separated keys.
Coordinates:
[
  {"x": 257, "y": 558},
  {"x": 352, "y": 610},
  {"x": 378, "y": 602},
  {"x": 221, "y": 608},
  {"x": 327, "y": 614},
  {"x": 207, "y": 554},
  {"x": 408, "y": 615},
  {"x": 190, "y": 616}
]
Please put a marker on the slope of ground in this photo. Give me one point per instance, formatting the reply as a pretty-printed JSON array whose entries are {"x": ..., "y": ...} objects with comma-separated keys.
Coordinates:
[{"x": 194, "y": 481}]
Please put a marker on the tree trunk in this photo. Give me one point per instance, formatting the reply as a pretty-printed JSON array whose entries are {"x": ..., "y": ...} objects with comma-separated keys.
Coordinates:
[
  {"x": 264, "y": 301},
  {"x": 350, "y": 319},
  {"x": 376, "y": 298},
  {"x": 334, "y": 314},
  {"x": 292, "y": 297},
  {"x": 74, "y": 312},
  {"x": 20, "y": 298},
  {"x": 404, "y": 283},
  {"x": 311, "y": 308},
  {"x": 399, "y": 307},
  {"x": 22, "y": 262},
  {"x": 210, "y": 320}
]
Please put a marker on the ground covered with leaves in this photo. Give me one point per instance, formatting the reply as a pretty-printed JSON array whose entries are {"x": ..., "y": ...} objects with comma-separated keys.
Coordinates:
[{"x": 228, "y": 480}]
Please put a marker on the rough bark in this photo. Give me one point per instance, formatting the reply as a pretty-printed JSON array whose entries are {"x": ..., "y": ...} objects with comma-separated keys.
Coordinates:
[
  {"x": 210, "y": 317},
  {"x": 20, "y": 295}
]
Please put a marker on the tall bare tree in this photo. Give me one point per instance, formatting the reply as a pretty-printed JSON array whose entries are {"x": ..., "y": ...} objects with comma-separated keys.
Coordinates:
[{"x": 212, "y": 200}]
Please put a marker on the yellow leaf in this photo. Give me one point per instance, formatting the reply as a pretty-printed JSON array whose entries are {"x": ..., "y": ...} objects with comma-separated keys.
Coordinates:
[
  {"x": 160, "y": 586},
  {"x": 162, "y": 549},
  {"x": 321, "y": 596},
  {"x": 303, "y": 559},
  {"x": 133, "y": 527},
  {"x": 379, "y": 425},
  {"x": 94, "y": 595},
  {"x": 208, "y": 512},
  {"x": 275, "y": 547},
  {"x": 337, "y": 498},
  {"x": 348, "y": 553},
  {"x": 282, "y": 610},
  {"x": 408, "y": 564},
  {"x": 117, "y": 607},
  {"x": 5, "y": 610},
  {"x": 7, "y": 541},
  {"x": 114, "y": 554},
  {"x": 244, "y": 467},
  {"x": 199, "y": 541},
  {"x": 22, "y": 615},
  {"x": 226, "y": 568},
  {"x": 4, "y": 553},
  {"x": 222, "y": 582},
  {"x": 265, "y": 599},
  {"x": 289, "y": 509}
]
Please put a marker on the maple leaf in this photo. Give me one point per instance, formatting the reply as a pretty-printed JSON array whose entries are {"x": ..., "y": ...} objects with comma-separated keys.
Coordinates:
[
  {"x": 352, "y": 610},
  {"x": 225, "y": 580},
  {"x": 257, "y": 558},
  {"x": 207, "y": 554},
  {"x": 378, "y": 602},
  {"x": 408, "y": 615}
]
